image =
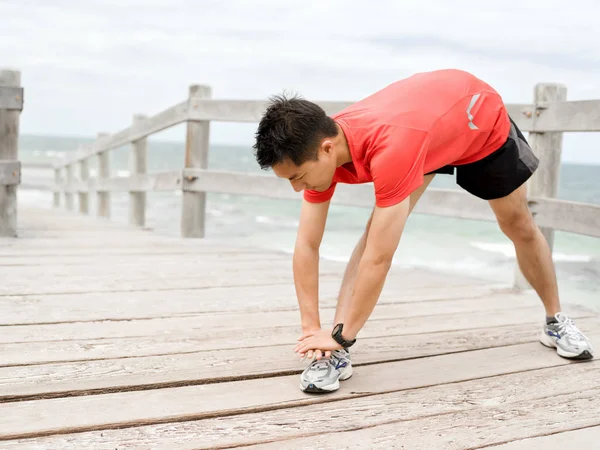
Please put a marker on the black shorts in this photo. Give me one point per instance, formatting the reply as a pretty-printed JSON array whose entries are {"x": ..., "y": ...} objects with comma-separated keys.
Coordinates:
[{"x": 499, "y": 173}]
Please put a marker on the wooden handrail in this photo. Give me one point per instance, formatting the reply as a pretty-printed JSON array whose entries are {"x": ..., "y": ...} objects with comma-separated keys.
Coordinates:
[{"x": 545, "y": 119}]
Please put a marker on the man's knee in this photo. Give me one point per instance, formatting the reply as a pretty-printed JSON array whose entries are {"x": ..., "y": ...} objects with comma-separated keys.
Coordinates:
[{"x": 519, "y": 225}]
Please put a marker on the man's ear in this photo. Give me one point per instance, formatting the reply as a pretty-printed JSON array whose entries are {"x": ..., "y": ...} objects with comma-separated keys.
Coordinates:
[{"x": 327, "y": 146}]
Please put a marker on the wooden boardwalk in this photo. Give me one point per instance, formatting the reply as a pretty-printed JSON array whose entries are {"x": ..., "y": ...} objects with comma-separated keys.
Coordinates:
[{"x": 118, "y": 338}]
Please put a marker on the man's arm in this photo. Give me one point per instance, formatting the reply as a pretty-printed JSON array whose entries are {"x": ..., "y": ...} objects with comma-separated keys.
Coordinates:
[
  {"x": 313, "y": 217},
  {"x": 382, "y": 241}
]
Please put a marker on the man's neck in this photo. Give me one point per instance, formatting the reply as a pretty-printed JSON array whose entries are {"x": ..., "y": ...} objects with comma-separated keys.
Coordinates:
[{"x": 343, "y": 155}]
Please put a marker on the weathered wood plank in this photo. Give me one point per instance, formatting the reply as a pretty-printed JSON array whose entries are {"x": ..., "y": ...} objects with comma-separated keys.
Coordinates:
[
  {"x": 256, "y": 329},
  {"x": 165, "y": 119},
  {"x": 403, "y": 408},
  {"x": 443, "y": 202},
  {"x": 10, "y": 172},
  {"x": 42, "y": 417},
  {"x": 71, "y": 279},
  {"x": 103, "y": 208},
  {"x": 547, "y": 147},
  {"x": 33, "y": 309},
  {"x": 84, "y": 174},
  {"x": 134, "y": 260},
  {"x": 458, "y": 431},
  {"x": 193, "y": 204},
  {"x": 581, "y": 439},
  {"x": 138, "y": 165},
  {"x": 564, "y": 215},
  {"x": 9, "y": 137},
  {"x": 581, "y": 115},
  {"x": 192, "y": 366},
  {"x": 245, "y": 110}
]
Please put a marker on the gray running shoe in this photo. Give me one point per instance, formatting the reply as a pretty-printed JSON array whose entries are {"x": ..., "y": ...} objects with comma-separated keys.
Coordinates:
[
  {"x": 325, "y": 374},
  {"x": 567, "y": 339}
]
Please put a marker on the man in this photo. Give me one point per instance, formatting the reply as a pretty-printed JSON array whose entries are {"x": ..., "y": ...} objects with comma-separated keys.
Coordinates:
[{"x": 398, "y": 139}]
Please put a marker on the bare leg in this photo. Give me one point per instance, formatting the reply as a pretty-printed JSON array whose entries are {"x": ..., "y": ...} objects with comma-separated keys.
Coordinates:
[
  {"x": 350, "y": 273},
  {"x": 533, "y": 252}
]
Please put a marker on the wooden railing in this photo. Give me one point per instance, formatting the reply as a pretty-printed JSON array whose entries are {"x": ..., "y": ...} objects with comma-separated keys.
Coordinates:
[
  {"x": 546, "y": 119},
  {"x": 11, "y": 104}
]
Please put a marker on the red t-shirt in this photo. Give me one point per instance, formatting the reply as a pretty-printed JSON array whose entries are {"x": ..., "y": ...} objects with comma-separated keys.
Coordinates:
[{"x": 414, "y": 126}]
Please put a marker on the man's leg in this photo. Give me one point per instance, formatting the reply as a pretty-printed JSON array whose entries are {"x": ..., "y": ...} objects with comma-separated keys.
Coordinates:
[
  {"x": 350, "y": 273},
  {"x": 533, "y": 252},
  {"x": 535, "y": 260}
]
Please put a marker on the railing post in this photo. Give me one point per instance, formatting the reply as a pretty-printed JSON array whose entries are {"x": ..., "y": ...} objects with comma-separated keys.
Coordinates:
[
  {"x": 11, "y": 104},
  {"x": 196, "y": 156},
  {"x": 68, "y": 188},
  {"x": 547, "y": 146},
  {"x": 138, "y": 166},
  {"x": 57, "y": 182},
  {"x": 84, "y": 174},
  {"x": 103, "y": 197}
]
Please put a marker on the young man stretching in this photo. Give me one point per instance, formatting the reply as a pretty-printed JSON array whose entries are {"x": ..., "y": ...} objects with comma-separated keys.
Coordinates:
[{"x": 398, "y": 138}]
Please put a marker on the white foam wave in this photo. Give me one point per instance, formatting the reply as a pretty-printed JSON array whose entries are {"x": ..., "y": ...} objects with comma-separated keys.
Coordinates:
[
  {"x": 215, "y": 212},
  {"x": 54, "y": 154},
  {"x": 508, "y": 250},
  {"x": 272, "y": 221}
]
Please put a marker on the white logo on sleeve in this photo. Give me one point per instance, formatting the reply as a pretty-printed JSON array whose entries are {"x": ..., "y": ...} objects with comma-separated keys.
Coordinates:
[{"x": 474, "y": 99}]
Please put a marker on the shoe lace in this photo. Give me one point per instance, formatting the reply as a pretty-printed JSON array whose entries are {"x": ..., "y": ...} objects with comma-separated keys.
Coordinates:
[{"x": 567, "y": 327}]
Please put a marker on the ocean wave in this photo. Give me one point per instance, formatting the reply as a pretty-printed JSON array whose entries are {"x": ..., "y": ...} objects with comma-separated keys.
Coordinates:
[
  {"x": 273, "y": 221},
  {"x": 508, "y": 250}
]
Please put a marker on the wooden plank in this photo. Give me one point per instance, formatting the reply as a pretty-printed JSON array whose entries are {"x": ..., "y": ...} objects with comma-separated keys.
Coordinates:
[
  {"x": 192, "y": 366},
  {"x": 31, "y": 309},
  {"x": 246, "y": 110},
  {"x": 404, "y": 408},
  {"x": 457, "y": 431},
  {"x": 24, "y": 254},
  {"x": 69, "y": 203},
  {"x": 161, "y": 121},
  {"x": 547, "y": 147},
  {"x": 132, "y": 260},
  {"x": 581, "y": 439},
  {"x": 11, "y": 98},
  {"x": 251, "y": 329},
  {"x": 102, "y": 197},
  {"x": 581, "y": 115},
  {"x": 9, "y": 151},
  {"x": 10, "y": 172},
  {"x": 84, "y": 174},
  {"x": 443, "y": 202},
  {"x": 581, "y": 218},
  {"x": 193, "y": 204},
  {"x": 138, "y": 165},
  {"x": 252, "y": 110},
  {"x": 91, "y": 278},
  {"x": 522, "y": 114},
  {"x": 76, "y": 414},
  {"x": 56, "y": 193},
  {"x": 154, "y": 182}
]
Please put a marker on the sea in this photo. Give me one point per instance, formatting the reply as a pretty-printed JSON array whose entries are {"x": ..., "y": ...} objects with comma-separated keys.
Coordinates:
[{"x": 444, "y": 244}]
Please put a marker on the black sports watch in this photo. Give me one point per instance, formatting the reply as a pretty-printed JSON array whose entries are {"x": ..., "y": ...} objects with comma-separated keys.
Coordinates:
[{"x": 336, "y": 334}]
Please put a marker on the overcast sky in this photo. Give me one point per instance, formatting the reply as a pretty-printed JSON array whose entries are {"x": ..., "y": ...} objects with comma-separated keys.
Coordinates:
[{"x": 88, "y": 65}]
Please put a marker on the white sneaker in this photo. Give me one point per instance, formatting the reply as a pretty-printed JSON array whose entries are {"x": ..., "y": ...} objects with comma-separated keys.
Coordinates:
[
  {"x": 566, "y": 338},
  {"x": 324, "y": 375}
]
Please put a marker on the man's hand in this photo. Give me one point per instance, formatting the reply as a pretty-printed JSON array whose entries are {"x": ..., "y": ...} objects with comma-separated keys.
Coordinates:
[
  {"x": 317, "y": 341},
  {"x": 312, "y": 353}
]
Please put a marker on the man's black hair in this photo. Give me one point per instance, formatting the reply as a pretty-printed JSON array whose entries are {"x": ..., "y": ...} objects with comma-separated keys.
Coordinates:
[{"x": 291, "y": 129}]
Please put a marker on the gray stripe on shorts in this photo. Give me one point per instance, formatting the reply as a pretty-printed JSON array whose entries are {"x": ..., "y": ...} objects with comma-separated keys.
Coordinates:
[{"x": 525, "y": 152}]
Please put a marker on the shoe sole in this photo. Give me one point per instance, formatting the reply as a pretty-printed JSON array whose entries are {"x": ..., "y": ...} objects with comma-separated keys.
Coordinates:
[
  {"x": 549, "y": 342},
  {"x": 311, "y": 388}
]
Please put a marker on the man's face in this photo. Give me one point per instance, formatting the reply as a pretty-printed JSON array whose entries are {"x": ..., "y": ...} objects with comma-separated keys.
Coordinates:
[{"x": 313, "y": 175}]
